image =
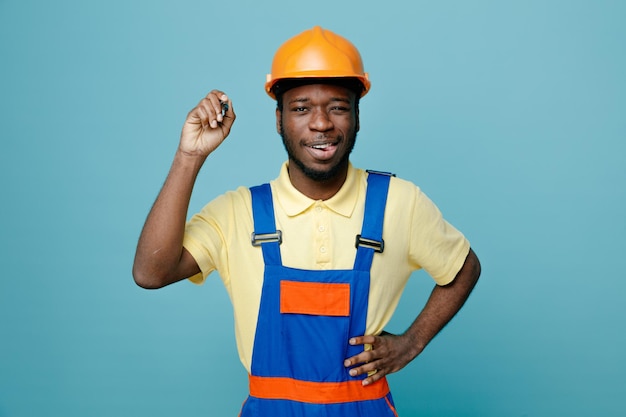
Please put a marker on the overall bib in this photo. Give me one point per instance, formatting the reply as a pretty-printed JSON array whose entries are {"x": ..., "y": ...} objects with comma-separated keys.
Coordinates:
[{"x": 305, "y": 321}]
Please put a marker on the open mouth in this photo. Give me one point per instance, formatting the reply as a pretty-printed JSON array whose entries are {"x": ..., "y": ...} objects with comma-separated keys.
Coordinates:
[
  {"x": 323, "y": 151},
  {"x": 323, "y": 143},
  {"x": 322, "y": 146}
]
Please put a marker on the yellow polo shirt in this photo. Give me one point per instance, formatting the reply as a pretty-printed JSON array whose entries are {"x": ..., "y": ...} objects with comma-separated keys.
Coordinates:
[{"x": 321, "y": 235}]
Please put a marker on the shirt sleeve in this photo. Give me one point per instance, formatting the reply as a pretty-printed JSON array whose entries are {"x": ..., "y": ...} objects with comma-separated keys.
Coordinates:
[
  {"x": 208, "y": 232},
  {"x": 202, "y": 240},
  {"x": 435, "y": 245}
]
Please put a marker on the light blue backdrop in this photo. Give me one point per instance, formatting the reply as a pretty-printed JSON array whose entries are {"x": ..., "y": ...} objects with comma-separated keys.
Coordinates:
[{"x": 510, "y": 115}]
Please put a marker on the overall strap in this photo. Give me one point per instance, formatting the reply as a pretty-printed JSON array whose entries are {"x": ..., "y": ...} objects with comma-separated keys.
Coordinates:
[
  {"x": 371, "y": 238},
  {"x": 265, "y": 233}
]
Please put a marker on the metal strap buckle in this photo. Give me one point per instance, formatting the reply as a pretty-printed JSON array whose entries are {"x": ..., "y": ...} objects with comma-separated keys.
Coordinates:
[
  {"x": 259, "y": 238},
  {"x": 378, "y": 246},
  {"x": 371, "y": 171}
]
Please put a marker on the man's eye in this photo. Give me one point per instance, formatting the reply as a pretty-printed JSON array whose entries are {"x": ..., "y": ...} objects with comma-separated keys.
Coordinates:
[{"x": 299, "y": 109}]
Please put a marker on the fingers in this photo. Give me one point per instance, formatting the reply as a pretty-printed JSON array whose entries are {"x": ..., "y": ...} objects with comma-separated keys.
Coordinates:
[
  {"x": 365, "y": 356},
  {"x": 367, "y": 367},
  {"x": 388, "y": 354},
  {"x": 362, "y": 340},
  {"x": 375, "y": 369},
  {"x": 213, "y": 110},
  {"x": 208, "y": 124},
  {"x": 371, "y": 360}
]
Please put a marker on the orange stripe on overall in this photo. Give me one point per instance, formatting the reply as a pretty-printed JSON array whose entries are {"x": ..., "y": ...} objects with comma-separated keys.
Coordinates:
[{"x": 316, "y": 392}]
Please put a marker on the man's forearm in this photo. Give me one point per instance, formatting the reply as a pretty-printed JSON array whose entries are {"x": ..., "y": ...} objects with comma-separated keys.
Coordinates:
[
  {"x": 443, "y": 304},
  {"x": 159, "y": 251}
]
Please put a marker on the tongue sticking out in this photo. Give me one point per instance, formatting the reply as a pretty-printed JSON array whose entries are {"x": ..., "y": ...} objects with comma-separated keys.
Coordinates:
[{"x": 323, "y": 151}]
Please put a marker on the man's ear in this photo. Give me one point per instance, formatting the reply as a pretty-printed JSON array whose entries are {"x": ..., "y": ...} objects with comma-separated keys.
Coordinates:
[
  {"x": 279, "y": 125},
  {"x": 358, "y": 124}
]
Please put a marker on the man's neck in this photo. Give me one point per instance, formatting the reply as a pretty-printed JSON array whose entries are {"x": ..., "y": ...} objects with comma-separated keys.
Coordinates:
[{"x": 317, "y": 190}]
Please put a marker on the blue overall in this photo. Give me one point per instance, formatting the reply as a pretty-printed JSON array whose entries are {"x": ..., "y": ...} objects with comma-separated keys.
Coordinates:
[{"x": 305, "y": 321}]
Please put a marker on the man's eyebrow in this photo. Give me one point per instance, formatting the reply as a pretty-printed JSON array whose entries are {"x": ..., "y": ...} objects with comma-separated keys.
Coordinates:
[
  {"x": 342, "y": 99},
  {"x": 299, "y": 100}
]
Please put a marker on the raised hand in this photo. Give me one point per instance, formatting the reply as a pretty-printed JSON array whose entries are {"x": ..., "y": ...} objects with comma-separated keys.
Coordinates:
[{"x": 205, "y": 127}]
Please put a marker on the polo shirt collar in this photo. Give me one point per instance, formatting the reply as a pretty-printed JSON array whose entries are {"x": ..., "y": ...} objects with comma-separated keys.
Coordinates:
[{"x": 294, "y": 202}]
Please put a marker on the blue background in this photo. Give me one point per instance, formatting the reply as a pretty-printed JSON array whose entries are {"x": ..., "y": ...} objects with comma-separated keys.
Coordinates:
[{"x": 509, "y": 114}]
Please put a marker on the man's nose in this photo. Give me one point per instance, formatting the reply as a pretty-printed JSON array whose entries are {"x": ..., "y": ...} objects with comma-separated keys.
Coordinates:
[{"x": 320, "y": 121}]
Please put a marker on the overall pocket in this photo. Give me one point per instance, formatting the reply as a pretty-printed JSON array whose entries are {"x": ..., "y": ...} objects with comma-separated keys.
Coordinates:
[{"x": 315, "y": 320}]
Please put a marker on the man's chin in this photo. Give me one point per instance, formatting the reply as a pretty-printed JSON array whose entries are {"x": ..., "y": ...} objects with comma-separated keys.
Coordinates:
[{"x": 322, "y": 174}]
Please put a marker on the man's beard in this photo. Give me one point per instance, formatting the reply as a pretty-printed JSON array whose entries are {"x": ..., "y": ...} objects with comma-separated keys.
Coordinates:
[{"x": 318, "y": 175}]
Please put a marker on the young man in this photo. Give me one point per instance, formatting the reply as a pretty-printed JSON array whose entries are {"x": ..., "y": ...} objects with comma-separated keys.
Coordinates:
[{"x": 316, "y": 261}]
